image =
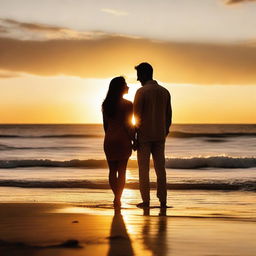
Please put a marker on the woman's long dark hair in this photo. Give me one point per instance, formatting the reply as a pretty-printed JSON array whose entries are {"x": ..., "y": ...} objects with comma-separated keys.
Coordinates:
[{"x": 114, "y": 95}]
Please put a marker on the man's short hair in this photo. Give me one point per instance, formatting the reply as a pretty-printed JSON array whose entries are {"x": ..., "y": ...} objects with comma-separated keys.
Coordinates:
[{"x": 145, "y": 69}]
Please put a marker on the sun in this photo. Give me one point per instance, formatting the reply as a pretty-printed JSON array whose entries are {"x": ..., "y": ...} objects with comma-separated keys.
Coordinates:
[{"x": 131, "y": 93}]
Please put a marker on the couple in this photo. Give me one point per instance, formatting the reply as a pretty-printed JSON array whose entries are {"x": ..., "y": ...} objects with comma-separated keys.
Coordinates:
[{"x": 153, "y": 114}]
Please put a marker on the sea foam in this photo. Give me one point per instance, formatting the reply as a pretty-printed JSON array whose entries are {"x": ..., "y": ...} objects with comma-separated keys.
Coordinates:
[
  {"x": 175, "y": 163},
  {"x": 103, "y": 184}
]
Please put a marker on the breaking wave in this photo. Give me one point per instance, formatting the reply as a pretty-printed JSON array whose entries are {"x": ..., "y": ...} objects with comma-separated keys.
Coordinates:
[
  {"x": 7, "y": 147},
  {"x": 246, "y": 185},
  {"x": 175, "y": 163}
]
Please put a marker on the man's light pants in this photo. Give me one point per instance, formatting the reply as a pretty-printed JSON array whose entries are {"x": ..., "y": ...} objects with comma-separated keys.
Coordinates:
[{"x": 143, "y": 155}]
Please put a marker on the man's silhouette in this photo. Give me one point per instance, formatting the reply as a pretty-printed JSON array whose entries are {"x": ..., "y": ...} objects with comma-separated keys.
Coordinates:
[{"x": 153, "y": 113}]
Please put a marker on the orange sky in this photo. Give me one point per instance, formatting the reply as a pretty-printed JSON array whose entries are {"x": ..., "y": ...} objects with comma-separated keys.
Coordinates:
[
  {"x": 56, "y": 68},
  {"x": 68, "y": 100}
]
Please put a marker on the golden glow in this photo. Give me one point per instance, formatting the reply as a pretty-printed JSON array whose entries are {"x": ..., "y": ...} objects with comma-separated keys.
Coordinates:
[
  {"x": 85, "y": 210},
  {"x": 133, "y": 120},
  {"x": 132, "y": 90},
  {"x": 65, "y": 99}
]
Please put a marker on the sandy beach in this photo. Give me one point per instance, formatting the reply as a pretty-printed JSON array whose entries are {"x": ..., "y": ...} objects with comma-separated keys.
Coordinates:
[{"x": 70, "y": 229}]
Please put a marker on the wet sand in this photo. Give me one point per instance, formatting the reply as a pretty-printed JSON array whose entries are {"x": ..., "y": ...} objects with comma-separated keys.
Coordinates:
[{"x": 70, "y": 229}]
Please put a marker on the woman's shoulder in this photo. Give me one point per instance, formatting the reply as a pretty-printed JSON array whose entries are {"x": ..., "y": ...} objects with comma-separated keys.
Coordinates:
[{"x": 127, "y": 103}]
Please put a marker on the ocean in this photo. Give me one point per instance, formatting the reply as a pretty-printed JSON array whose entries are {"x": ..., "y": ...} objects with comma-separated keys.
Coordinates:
[{"x": 66, "y": 163}]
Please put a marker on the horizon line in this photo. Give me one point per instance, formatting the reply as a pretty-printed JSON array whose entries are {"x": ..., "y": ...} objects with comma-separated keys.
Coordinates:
[{"x": 102, "y": 123}]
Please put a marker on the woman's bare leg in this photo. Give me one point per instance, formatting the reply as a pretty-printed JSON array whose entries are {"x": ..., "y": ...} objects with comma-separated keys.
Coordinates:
[
  {"x": 121, "y": 169},
  {"x": 113, "y": 175}
]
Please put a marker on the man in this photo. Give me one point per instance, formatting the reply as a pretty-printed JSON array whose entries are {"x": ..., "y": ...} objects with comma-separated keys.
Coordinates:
[{"x": 153, "y": 114}]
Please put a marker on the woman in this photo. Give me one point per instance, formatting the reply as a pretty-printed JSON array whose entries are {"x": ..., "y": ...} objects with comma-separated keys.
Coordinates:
[{"x": 119, "y": 133}]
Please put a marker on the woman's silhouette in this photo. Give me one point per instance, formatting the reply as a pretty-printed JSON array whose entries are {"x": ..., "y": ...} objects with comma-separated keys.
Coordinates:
[
  {"x": 119, "y": 240},
  {"x": 119, "y": 133}
]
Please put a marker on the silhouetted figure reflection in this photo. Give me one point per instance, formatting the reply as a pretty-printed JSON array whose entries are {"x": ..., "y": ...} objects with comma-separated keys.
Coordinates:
[
  {"x": 119, "y": 134},
  {"x": 146, "y": 211},
  {"x": 162, "y": 212},
  {"x": 154, "y": 233},
  {"x": 119, "y": 241}
]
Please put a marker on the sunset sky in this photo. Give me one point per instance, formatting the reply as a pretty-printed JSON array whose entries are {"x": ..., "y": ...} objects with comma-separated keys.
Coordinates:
[{"x": 57, "y": 57}]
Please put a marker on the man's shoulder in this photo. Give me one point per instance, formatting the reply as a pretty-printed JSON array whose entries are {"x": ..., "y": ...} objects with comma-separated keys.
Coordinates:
[
  {"x": 139, "y": 91},
  {"x": 152, "y": 87},
  {"x": 163, "y": 89}
]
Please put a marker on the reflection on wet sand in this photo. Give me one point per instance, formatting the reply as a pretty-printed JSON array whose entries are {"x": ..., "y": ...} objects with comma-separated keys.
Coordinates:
[
  {"x": 154, "y": 233},
  {"x": 151, "y": 234},
  {"x": 119, "y": 240}
]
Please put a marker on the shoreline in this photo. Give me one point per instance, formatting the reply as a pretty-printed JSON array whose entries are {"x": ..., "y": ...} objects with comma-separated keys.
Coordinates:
[{"x": 239, "y": 204}]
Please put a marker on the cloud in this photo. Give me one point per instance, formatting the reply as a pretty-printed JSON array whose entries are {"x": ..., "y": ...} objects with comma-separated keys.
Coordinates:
[
  {"x": 8, "y": 74},
  {"x": 238, "y": 1},
  {"x": 35, "y": 31},
  {"x": 3, "y": 29},
  {"x": 114, "y": 12},
  {"x": 32, "y": 26},
  {"x": 251, "y": 42},
  {"x": 116, "y": 55}
]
